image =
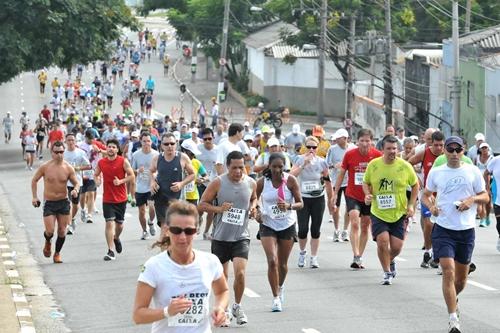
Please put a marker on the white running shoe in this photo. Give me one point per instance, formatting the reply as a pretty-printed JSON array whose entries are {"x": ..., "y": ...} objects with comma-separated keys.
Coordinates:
[
  {"x": 387, "y": 280},
  {"x": 302, "y": 259},
  {"x": 344, "y": 236},
  {"x": 314, "y": 262},
  {"x": 276, "y": 307},
  {"x": 239, "y": 314},
  {"x": 336, "y": 236},
  {"x": 453, "y": 326},
  {"x": 144, "y": 235},
  {"x": 152, "y": 229}
]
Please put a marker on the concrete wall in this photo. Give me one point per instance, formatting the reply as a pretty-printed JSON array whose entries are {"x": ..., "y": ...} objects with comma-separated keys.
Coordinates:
[
  {"x": 492, "y": 108},
  {"x": 472, "y": 109}
]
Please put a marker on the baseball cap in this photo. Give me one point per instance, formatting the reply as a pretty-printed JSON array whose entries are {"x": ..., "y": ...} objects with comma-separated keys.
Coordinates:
[
  {"x": 184, "y": 125},
  {"x": 135, "y": 134},
  {"x": 191, "y": 146},
  {"x": 479, "y": 136},
  {"x": 88, "y": 125},
  {"x": 296, "y": 129},
  {"x": 266, "y": 129},
  {"x": 257, "y": 132},
  {"x": 273, "y": 142},
  {"x": 341, "y": 133},
  {"x": 246, "y": 123},
  {"x": 318, "y": 131},
  {"x": 484, "y": 144},
  {"x": 454, "y": 139},
  {"x": 248, "y": 137},
  {"x": 194, "y": 130}
]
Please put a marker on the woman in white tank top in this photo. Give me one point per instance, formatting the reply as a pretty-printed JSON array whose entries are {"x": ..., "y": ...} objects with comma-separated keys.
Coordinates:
[{"x": 280, "y": 194}]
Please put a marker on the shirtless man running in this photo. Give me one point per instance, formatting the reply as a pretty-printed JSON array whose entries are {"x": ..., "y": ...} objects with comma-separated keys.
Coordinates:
[{"x": 56, "y": 207}]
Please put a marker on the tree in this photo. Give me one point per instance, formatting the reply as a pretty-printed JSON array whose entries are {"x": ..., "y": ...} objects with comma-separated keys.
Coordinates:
[{"x": 41, "y": 33}]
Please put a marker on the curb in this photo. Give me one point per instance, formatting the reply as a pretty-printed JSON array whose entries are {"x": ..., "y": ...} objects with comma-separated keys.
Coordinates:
[{"x": 23, "y": 308}]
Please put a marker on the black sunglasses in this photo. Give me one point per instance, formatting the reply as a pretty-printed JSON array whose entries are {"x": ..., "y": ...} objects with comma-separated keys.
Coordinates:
[
  {"x": 168, "y": 143},
  {"x": 457, "y": 150},
  {"x": 179, "y": 230},
  {"x": 207, "y": 139},
  {"x": 58, "y": 151},
  {"x": 311, "y": 147}
]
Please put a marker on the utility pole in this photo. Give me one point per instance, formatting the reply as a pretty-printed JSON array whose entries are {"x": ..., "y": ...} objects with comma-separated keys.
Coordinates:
[
  {"x": 321, "y": 63},
  {"x": 223, "y": 49},
  {"x": 468, "y": 10},
  {"x": 388, "y": 93},
  {"x": 194, "y": 59},
  {"x": 350, "y": 69},
  {"x": 456, "y": 70}
]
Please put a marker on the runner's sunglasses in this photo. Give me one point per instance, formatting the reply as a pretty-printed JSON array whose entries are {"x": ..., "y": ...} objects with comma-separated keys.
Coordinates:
[{"x": 179, "y": 230}]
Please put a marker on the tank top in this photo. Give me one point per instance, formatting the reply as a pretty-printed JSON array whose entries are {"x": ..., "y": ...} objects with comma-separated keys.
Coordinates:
[
  {"x": 111, "y": 169},
  {"x": 427, "y": 162},
  {"x": 272, "y": 216},
  {"x": 169, "y": 172},
  {"x": 232, "y": 225}
]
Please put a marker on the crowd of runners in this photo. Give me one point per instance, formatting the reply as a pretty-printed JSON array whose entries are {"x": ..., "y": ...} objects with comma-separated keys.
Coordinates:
[{"x": 189, "y": 177}]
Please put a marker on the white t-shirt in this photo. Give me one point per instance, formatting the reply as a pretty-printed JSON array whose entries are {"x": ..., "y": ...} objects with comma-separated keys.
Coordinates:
[
  {"x": 223, "y": 150},
  {"x": 76, "y": 157},
  {"x": 493, "y": 167},
  {"x": 454, "y": 185},
  {"x": 208, "y": 159},
  {"x": 171, "y": 280}
]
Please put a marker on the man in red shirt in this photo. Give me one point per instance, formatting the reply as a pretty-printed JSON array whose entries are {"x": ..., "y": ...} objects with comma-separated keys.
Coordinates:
[
  {"x": 55, "y": 135},
  {"x": 46, "y": 113},
  {"x": 355, "y": 162},
  {"x": 117, "y": 172}
]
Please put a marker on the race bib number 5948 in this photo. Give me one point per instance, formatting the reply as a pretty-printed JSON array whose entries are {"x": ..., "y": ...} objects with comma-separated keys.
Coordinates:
[{"x": 234, "y": 216}]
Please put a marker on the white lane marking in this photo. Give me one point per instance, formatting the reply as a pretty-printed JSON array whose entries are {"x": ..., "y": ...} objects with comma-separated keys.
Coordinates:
[
  {"x": 9, "y": 263},
  {"x": 28, "y": 329},
  {"x": 250, "y": 293},
  {"x": 23, "y": 313},
  {"x": 400, "y": 259},
  {"x": 480, "y": 285},
  {"x": 4, "y": 247},
  {"x": 310, "y": 330},
  {"x": 7, "y": 255},
  {"x": 16, "y": 287},
  {"x": 3, "y": 239},
  {"x": 12, "y": 273},
  {"x": 22, "y": 101},
  {"x": 22, "y": 94}
]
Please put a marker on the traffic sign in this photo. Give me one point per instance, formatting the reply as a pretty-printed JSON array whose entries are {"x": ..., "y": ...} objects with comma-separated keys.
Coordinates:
[{"x": 222, "y": 61}]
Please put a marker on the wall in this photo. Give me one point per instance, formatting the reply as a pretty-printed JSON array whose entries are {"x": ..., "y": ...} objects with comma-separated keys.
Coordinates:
[
  {"x": 492, "y": 108},
  {"x": 472, "y": 110}
]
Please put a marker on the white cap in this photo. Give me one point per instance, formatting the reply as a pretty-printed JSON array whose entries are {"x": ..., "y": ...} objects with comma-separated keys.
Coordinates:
[
  {"x": 184, "y": 125},
  {"x": 246, "y": 123},
  {"x": 479, "y": 136},
  {"x": 191, "y": 146},
  {"x": 341, "y": 133},
  {"x": 296, "y": 129},
  {"x": 257, "y": 132},
  {"x": 194, "y": 130},
  {"x": 89, "y": 124},
  {"x": 484, "y": 144},
  {"x": 135, "y": 134},
  {"x": 273, "y": 142},
  {"x": 248, "y": 137},
  {"x": 333, "y": 137}
]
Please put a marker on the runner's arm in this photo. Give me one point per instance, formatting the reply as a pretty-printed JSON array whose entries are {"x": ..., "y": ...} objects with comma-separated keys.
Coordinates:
[
  {"x": 293, "y": 186},
  {"x": 97, "y": 175},
  {"x": 487, "y": 176},
  {"x": 338, "y": 182},
  {"x": 416, "y": 158},
  {"x": 221, "y": 295},
  {"x": 188, "y": 167},
  {"x": 34, "y": 181},
  {"x": 208, "y": 198},
  {"x": 142, "y": 313},
  {"x": 73, "y": 179}
]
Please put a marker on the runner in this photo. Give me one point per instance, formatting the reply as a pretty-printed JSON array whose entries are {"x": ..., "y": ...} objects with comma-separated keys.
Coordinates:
[
  {"x": 170, "y": 172},
  {"x": 355, "y": 162},
  {"x": 41, "y": 132},
  {"x": 8, "y": 123},
  {"x": 384, "y": 184},
  {"x": 30, "y": 144},
  {"x": 493, "y": 169},
  {"x": 482, "y": 160},
  {"x": 56, "y": 207},
  {"x": 312, "y": 172},
  {"x": 42, "y": 79},
  {"x": 191, "y": 193},
  {"x": 230, "y": 235},
  {"x": 178, "y": 306},
  {"x": 459, "y": 188},
  {"x": 280, "y": 195},
  {"x": 116, "y": 172},
  {"x": 233, "y": 143},
  {"x": 141, "y": 163},
  {"x": 262, "y": 162}
]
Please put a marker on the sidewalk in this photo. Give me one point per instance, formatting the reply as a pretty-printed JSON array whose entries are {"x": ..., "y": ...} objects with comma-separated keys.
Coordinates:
[{"x": 203, "y": 89}]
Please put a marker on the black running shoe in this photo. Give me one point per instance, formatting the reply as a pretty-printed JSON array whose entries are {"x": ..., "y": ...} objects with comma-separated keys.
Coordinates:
[
  {"x": 109, "y": 256},
  {"x": 426, "y": 260},
  {"x": 118, "y": 245},
  {"x": 472, "y": 267}
]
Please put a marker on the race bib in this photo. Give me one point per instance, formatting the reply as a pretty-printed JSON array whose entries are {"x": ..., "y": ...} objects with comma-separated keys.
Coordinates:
[
  {"x": 194, "y": 316},
  {"x": 276, "y": 213},
  {"x": 234, "y": 216},
  {"x": 311, "y": 186},
  {"x": 358, "y": 178},
  {"x": 386, "y": 201},
  {"x": 189, "y": 187}
]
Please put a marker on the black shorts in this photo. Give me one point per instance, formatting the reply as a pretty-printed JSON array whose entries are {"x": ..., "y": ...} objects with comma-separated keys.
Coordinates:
[
  {"x": 56, "y": 207},
  {"x": 226, "y": 251},
  {"x": 289, "y": 233},
  {"x": 114, "y": 211},
  {"x": 88, "y": 185},
  {"x": 339, "y": 197},
  {"x": 40, "y": 138},
  {"x": 161, "y": 204},
  {"x": 456, "y": 244},
  {"x": 76, "y": 200},
  {"x": 353, "y": 204},
  {"x": 142, "y": 198},
  {"x": 397, "y": 229}
]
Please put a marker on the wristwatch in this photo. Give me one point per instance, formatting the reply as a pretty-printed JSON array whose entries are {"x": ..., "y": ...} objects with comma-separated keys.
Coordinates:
[{"x": 165, "y": 312}]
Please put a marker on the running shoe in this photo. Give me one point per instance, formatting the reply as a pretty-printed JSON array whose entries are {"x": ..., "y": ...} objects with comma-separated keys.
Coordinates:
[
  {"x": 336, "y": 236},
  {"x": 227, "y": 322},
  {"x": 439, "y": 270},
  {"x": 276, "y": 307},
  {"x": 282, "y": 295},
  {"x": 457, "y": 310},
  {"x": 314, "y": 262},
  {"x": 387, "y": 279},
  {"x": 482, "y": 223},
  {"x": 89, "y": 218},
  {"x": 239, "y": 314},
  {"x": 47, "y": 249},
  {"x": 57, "y": 258},
  {"x": 498, "y": 244},
  {"x": 454, "y": 326},
  {"x": 330, "y": 221},
  {"x": 144, "y": 235},
  {"x": 152, "y": 229},
  {"x": 344, "y": 236},
  {"x": 118, "y": 245},
  {"x": 426, "y": 260},
  {"x": 433, "y": 263},
  {"x": 83, "y": 216},
  {"x": 109, "y": 256},
  {"x": 96, "y": 211},
  {"x": 73, "y": 224},
  {"x": 357, "y": 263},
  {"x": 472, "y": 267},
  {"x": 69, "y": 230},
  {"x": 393, "y": 268},
  {"x": 302, "y": 259},
  {"x": 488, "y": 221}
]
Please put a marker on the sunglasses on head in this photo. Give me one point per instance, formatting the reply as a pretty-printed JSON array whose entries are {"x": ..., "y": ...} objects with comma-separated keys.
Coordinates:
[
  {"x": 168, "y": 143},
  {"x": 311, "y": 147},
  {"x": 179, "y": 230},
  {"x": 457, "y": 150}
]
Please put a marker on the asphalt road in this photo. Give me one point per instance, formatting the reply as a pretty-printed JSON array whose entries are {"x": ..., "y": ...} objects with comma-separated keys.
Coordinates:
[{"x": 86, "y": 294}]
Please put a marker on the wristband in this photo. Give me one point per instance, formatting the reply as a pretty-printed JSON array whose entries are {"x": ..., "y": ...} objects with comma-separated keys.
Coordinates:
[{"x": 165, "y": 312}]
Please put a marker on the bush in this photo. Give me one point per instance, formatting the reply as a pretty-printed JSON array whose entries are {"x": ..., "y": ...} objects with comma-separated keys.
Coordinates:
[{"x": 254, "y": 100}]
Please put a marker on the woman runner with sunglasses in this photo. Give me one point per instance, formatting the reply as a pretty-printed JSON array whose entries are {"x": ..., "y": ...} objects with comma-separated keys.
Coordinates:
[
  {"x": 280, "y": 195},
  {"x": 180, "y": 280},
  {"x": 312, "y": 172}
]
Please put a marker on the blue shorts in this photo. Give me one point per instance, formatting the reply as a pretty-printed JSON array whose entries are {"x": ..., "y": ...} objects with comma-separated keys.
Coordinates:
[
  {"x": 425, "y": 212},
  {"x": 396, "y": 229},
  {"x": 456, "y": 244}
]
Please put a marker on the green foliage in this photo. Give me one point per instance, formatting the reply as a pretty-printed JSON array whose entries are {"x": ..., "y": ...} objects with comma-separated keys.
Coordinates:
[
  {"x": 40, "y": 33},
  {"x": 254, "y": 100}
]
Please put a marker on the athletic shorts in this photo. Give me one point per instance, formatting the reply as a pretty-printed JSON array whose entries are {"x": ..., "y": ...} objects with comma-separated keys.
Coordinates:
[
  {"x": 425, "y": 212},
  {"x": 353, "y": 204},
  {"x": 339, "y": 197},
  {"x": 114, "y": 211},
  {"x": 142, "y": 198},
  {"x": 226, "y": 251},
  {"x": 30, "y": 151},
  {"x": 88, "y": 185},
  {"x": 161, "y": 205},
  {"x": 396, "y": 229},
  {"x": 56, "y": 207},
  {"x": 40, "y": 138},
  {"x": 76, "y": 200},
  {"x": 456, "y": 244},
  {"x": 289, "y": 233}
]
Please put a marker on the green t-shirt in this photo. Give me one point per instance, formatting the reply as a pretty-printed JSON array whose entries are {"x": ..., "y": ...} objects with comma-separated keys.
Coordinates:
[
  {"x": 389, "y": 183},
  {"x": 442, "y": 160}
]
